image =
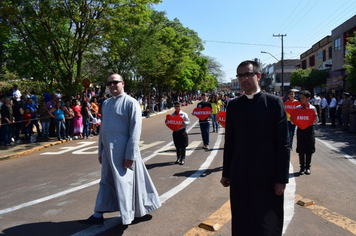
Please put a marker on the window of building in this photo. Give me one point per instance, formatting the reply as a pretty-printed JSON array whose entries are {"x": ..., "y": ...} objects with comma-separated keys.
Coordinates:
[
  {"x": 312, "y": 61},
  {"x": 337, "y": 44},
  {"x": 330, "y": 52},
  {"x": 324, "y": 55},
  {"x": 304, "y": 64}
]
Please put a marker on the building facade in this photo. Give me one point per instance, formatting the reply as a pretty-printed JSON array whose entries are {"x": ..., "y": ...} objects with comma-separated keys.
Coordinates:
[
  {"x": 318, "y": 57},
  {"x": 339, "y": 37}
]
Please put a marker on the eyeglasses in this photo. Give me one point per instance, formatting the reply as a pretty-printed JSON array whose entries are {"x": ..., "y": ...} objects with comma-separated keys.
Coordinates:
[
  {"x": 246, "y": 75},
  {"x": 114, "y": 82}
]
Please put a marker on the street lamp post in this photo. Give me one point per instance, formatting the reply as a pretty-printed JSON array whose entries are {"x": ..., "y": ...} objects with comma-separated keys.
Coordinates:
[
  {"x": 274, "y": 58},
  {"x": 270, "y": 55},
  {"x": 281, "y": 36}
]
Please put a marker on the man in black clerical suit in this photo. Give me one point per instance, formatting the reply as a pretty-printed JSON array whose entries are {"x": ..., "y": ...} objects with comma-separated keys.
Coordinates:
[{"x": 256, "y": 157}]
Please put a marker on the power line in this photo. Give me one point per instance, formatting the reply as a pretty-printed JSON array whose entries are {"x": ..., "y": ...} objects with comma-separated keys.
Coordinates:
[
  {"x": 252, "y": 44},
  {"x": 296, "y": 15}
]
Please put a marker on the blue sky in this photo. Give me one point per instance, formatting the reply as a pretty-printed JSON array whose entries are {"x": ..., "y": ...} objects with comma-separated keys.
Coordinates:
[{"x": 235, "y": 30}]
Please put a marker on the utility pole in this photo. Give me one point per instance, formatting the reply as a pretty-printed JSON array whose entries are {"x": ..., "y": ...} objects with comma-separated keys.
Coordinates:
[{"x": 281, "y": 36}]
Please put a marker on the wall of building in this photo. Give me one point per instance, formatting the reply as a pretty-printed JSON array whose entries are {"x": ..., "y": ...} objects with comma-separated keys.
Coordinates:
[
  {"x": 339, "y": 38},
  {"x": 315, "y": 57}
]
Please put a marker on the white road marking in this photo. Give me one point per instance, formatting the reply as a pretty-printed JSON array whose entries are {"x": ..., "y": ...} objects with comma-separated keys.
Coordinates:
[
  {"x": 171, "y": 150},
  {"x": 68, "y": 149},
  {"x": 168, "y": 144},
  {"x": 23, "y": 205},
  {"x": 145, "y": 146},
  {"x": 289, "y": 196},
  {"x": 348, "y": 157},
  {"x": 109, "y": 223},
  {"x": 83, "y": 151},
  {"x": 164, "y": 197}
]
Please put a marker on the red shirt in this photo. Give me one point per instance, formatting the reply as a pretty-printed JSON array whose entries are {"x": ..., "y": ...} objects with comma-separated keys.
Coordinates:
[
  {"x": 26, "y": 117},
  {"x": 77, "y": 110}
]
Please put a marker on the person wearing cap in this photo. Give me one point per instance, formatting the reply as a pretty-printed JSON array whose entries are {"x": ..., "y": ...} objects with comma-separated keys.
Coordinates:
[
  {"x": 256, "y": 157},
  {"x": 345, "y": 110}
]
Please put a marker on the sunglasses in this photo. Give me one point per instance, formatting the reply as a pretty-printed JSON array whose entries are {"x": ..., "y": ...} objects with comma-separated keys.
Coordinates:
[{"x": 114, "y": 82}]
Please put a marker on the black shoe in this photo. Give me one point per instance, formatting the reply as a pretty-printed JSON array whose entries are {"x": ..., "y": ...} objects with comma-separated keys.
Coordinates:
[
  {"x": 301, "y": 172},
  {"x": 177, "y": 161},
  {"x": 93, "y": 221},
  {"x": 182, "y": 162},
  {"x": 307, "y": 172}
]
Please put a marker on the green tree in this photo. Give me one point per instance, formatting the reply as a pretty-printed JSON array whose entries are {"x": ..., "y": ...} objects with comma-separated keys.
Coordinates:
[
  {"x": 350, "y": 59},
  {"x": 309, "y": 78},
  {"x": 55, "y": 35}
]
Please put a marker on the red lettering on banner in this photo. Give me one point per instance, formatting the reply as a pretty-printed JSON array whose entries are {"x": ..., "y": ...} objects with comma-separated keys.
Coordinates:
[
  {"x": 222, "y": 118},
  {"x": 303, "y": 118},
  {"x": 290, "y": 106},
  {"x": 202, "y": 113},
  {"x": 174, "y": 122}
]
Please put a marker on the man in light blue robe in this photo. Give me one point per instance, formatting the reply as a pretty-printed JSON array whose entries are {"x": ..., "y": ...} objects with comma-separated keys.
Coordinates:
[{"x": 125, "y": 183}]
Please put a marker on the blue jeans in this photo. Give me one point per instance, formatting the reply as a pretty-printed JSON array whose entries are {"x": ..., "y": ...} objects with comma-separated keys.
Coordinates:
[
  {"x": 60, "y": 127},
  {"x": 6, "y": 132},
  {"x": 45, "y": 129},
  {"x": 291, "y": 130},
  {"x": 215, "y": 122},
  {"x": 204, "y": 128},
  {"x": 86, "y": 128},
  {"x": 27, "y": 130},
  {"x": 17, "y": 128}
]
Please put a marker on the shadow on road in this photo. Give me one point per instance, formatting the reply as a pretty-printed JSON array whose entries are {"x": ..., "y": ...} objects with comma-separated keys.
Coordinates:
[
  {"x": 162, "y": 164},
  {"x": 66, "y": 228},
  {"x": 51, "y": 228},
  {"x": 337, "y": 135},
  {"x": 190, "y": 172}
]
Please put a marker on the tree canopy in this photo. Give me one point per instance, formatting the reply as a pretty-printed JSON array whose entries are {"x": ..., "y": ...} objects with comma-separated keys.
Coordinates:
[
  {"x": 62, "y": 42},
  {"x": 350, "y": 59},
  {"x": 309, "y": 78}
]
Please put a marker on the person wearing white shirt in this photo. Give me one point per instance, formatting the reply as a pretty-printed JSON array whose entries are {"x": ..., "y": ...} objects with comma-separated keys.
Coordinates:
[
  {"x": 180, "y": 136},
  {"x": 332, "y": 109},
  {"x": 324, "y": 107},
  {"x": 16, "y": 93},
  {"x": 58, "y": 95},
  {"x": 316, "y": 101}
]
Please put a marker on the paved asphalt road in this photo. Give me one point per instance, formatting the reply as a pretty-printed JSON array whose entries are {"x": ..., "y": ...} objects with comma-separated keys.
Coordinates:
[{"x": 46, "y": 191}]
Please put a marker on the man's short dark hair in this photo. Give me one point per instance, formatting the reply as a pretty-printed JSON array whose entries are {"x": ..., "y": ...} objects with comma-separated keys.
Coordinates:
[
  {"x": 256, "y": 66},
  {"x": 177, "y": 103},
  {"x": 306, "y": 93},
  {"x": 203, "y": 94}
]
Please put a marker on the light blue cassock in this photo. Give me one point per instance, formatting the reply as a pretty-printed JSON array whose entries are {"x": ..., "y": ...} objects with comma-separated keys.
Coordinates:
[{"x": 130, "y": 191}]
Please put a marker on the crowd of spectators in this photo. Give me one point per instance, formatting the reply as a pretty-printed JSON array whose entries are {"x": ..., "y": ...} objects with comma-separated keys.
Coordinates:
[{"x": 28, "y": 117}]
